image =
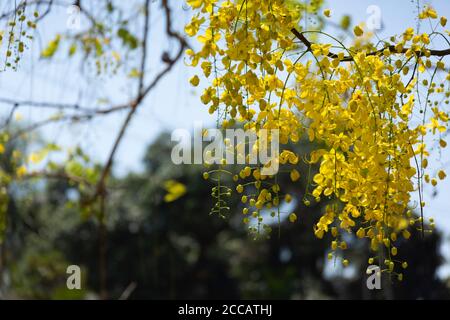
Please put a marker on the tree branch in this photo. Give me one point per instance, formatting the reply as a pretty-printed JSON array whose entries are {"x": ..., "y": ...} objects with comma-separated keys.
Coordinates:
[
  {"x": 143, "y": 91},
  {"x": 308, "y": 44}
]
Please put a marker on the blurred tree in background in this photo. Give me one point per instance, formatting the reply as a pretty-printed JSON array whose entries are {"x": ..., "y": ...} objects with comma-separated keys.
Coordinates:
[{"x": 159, "y": 250}]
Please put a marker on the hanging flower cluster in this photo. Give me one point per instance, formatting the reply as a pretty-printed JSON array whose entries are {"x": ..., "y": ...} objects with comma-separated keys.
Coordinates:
[
  {"x": 376, "y": 109},
  {"x": 15, "y": 37}
]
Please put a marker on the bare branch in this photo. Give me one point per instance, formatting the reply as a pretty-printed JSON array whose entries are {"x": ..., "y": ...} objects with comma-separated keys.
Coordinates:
[
  {"x": 59, "y": 175},
  {"x": 143, "y": 91}
]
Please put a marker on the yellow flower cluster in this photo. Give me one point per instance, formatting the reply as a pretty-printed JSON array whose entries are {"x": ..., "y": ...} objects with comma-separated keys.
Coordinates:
[{"x": 372, "y": 108}]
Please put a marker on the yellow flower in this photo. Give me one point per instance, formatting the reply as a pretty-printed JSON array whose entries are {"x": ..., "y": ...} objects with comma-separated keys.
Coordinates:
[
  {"x": 174, "y": 190},
  {"x": 209, "y": 36},
  {"x": 429, "y": 12},
  {"x": 292, "y": 217},
  {"x": 334, "y": 245},
  {"x": 360, "y": 233},
  {"x": 406, "y": 234},
  {"x": 320, "y": 49},
  {"x": 394, "y": 251},
  {"x": 358, "y": 31},
  {"x": 345, "y": 22},
  {"x": 195, "y": 3},
  {"x": 441, "y": 174},
  {"x": 295, "y": 175},
  {"x": 36, "y": 157},
  {"x": 192, "y": 28},
  {"x": 288, "y": 198},
  {"x": 194, "y": 81},
  {"x": 362, "y": 112},
  {"x": 436, "y": 125}
]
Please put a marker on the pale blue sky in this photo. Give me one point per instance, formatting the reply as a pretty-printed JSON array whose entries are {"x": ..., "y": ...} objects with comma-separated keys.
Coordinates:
[{"x": 173, "y": 104}]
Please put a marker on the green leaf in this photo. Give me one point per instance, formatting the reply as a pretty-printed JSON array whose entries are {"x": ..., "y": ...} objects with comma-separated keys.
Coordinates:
[
  {"x": 52, "y": 47},
  {"x": 72, "y": 49},
  {"x": 74, "y": 168},
  {"x": 127, "y": 38}
]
